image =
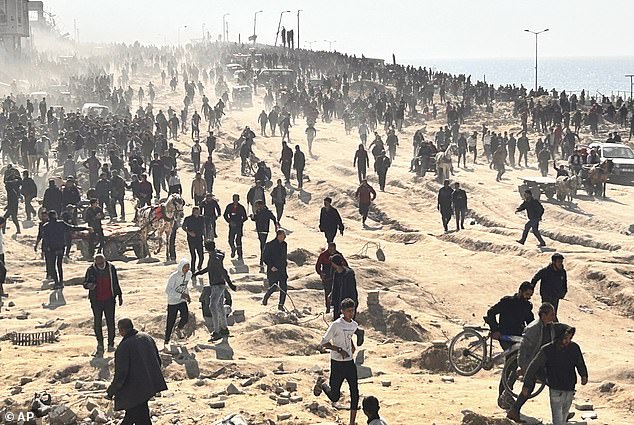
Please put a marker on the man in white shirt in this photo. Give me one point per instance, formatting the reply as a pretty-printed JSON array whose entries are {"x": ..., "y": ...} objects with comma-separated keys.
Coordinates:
[{"x": 338, "y": 339}]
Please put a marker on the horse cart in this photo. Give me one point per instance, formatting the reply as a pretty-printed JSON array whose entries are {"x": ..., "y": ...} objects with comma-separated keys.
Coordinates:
[
  {"x": 537, "y": 186},
  {"x": 118, "y": 239}
]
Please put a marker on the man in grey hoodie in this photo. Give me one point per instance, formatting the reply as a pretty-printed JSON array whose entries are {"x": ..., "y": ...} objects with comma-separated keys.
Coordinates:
[{"x": 177, "y": 299}]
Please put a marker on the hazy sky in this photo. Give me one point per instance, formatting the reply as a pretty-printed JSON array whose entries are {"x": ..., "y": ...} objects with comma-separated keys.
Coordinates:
[{"x": 412, "y": 29}]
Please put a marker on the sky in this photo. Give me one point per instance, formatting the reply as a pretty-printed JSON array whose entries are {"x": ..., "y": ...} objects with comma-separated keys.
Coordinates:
[{"x": 411, "y": 29}]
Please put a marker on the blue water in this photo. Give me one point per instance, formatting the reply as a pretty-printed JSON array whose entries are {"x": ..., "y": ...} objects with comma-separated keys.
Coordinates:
[{"x": 603, "y": 74}]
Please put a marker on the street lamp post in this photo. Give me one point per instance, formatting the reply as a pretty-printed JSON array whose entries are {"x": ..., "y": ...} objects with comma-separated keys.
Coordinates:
[
  {"x": 179, "y": 33},
  {"x": 299, "y": 46},
  {"x": 330, "y": 43},
  {"x": 279, "y": 24},
  {"x": 255, "y": 17},
  {"x": 536, "y": 33},
  {"x": 224, "y": 26}
]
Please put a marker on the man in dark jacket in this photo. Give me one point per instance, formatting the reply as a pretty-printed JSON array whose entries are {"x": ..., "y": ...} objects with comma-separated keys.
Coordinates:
[
  {"x": 278, "y": 198},
  {"x": 330, "y": 221},
  {"x": 515, "y": 311},
  {"x": 459, "y": 200},
  {"x": 118, "y": 186},
  {"x": 218, "y": 281},
  {"x": 362, "y": 162},
  {"x": 263, "y": 218},
  {"x": 275, "y": 259},
  {"x": 286, "y": 159},
  {"x": 93, "y": 216},
  {"x": 54, "y": 243},
  {"x": 381, "y": 164},
  {"x": 194, "y": 225},
  {"x": 103, "y": 187},
  {"x": 344, "y": 285},
  {"x": 299, "y": 162},
  {"x": 445, "y": 196},
  {"x": 535, "y": 211},
  {"x": 554, "y": 281},
  {"x": 12, "y": 183},
  {"x": 365, "y": 194},
  {"x": 70, "y": 193},
  {"x": 137, "y": 375},
  {"x": 29, "y": 191},
  {"x": 561, "y": 359},
  {"x": 52, "y": 198},
  {"x": 210, "y": 211},
  {"x": 235, "y": 215},
  {"x": 323, "y": 267},
  {"x": 103, "y": 288}
]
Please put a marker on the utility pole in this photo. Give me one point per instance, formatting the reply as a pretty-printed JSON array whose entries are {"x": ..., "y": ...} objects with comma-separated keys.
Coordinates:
[
  {"x": 255, "y": 19},
  {"x": 224, "y": 27},
  {"x": 536, "y": 33},
  {"x": 279, "y": 24},
  {"x": 631, "y": 77},
  {"x": 298, "y": 45}
]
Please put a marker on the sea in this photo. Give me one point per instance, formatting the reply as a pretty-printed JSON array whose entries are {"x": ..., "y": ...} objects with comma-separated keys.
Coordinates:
[{"x": 595, "y": 75}]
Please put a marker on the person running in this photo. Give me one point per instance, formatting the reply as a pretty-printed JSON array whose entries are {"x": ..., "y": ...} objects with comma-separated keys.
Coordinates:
[
  {"x": 323, "y": 267},
  {"x": 29, "y": 192},
  {"x": 235, "y": 215},
  {"x": 554, "y": 281},
  {"x": 338, "y": 340},
  {"x": 263, "y": 218},
  {"x": 535, "y": 211},
  {"x": 138, "y": 375},
  {"x": 371, "y": 408},
  {"x": 275, "y": 258},
  {"x": 561, "y": 359},
  {"x": 515, "y": 311},
  {"x": 54, "y": 244},
  {"x": 459, "y": 200},
  {"x": 330, "y": 220},
  {"x": 344, "y": 284},
  {"x": 194, "y": 225},
  {"x": 362, "y": 162},
  {"x": 278, "y": 198},
  {"x": 381, "y": 165},
  {"x": 198, "y": 189},
  {"x": 366, "y": 195},
  {"x": 177, "y": 300},
  {"x": 445, "y": 199},
  {"x": 102, "y": 283},
  {"x": 538, "y": 333},
  {"x": 210, "y": 211},
  {"x": 218, "y": 281}
]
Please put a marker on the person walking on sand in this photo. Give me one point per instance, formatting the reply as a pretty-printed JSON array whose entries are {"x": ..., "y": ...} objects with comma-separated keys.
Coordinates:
[
  {"x": 177, "y": 299},
  {"x": 263, "y": 218},
  {"x": 102, "y": 283},
  {"x": 362, "y": 162},
  {"x": 338, "y": 340},
  {"x": 554, "y": 281},
  {"x": 535, "y": 211},
  {"x": 218, "y": 281},
  {"x": 365, "y": 195},
  {"x": 311, "y": 132},
  {"x": 138, "y": 376},
  {"x": 324, "y": 269},
  {"x": 445, "y": 204},
  {"x": 330, "y": 220},
  {"x": 561, "y": 358},
  {"x": 235, "y": 214},
  {"x": 275, "y": 258},
  {"x": 299, "y": 163},
  {"x": 459, "y": 200},
  {"x": 278, "y": 198}
]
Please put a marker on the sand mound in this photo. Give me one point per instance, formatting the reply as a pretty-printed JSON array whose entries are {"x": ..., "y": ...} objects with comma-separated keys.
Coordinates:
[
  {"x": 156, "y": 326},
  {"x": 393, "y": 323},
  {"x": 472, "y": 418},
  {"x": 289, "y": 339},
  {"x": 434, "y": 359},
  {"x": 299, "y": 256}
]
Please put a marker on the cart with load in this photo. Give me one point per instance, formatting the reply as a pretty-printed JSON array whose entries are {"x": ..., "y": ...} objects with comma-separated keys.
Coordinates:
[
  {"x": 118, "y": 239},
  {"x": 538, "y": 185}
]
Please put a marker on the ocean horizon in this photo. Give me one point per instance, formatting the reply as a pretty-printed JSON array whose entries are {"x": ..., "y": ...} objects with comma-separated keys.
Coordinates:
[{"x": 604, "y": 75}]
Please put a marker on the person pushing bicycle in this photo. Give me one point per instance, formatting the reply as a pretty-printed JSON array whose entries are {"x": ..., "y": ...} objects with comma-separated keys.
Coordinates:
[{"x": 516, "y": 312}]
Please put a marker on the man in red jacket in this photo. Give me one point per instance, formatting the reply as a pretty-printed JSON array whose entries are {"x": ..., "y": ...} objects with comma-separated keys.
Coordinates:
[
  {"x": 323, "y": 267},
  {"x": 365, "y": 195}
]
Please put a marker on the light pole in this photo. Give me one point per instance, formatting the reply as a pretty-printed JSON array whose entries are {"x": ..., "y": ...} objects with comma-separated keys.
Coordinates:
[
  {"x": 298, "y": 45},
  {"x": 279, "y": 24},
  {"x": 255, "y": 17},
  {"x": 179, "y": 34},
  {"x": 330, "y": 43},
  {"x": 224, "y": 26},
  {"x": 536, "y": 33},
  {"x": 310, "y": 44},
  {"x": 203, "y": 32}
]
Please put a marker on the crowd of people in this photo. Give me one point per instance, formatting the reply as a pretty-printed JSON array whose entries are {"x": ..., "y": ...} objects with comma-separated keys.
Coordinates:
[{"x": 106, "y": 155}]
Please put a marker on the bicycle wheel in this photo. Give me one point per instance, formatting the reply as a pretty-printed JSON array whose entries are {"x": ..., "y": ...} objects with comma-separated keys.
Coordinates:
[
  {"x": 510, "y": 378},
  {"x": 467, "y": 352}
]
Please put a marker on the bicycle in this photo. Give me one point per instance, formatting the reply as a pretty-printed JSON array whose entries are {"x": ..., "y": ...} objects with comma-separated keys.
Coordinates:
[{"x": 470, "y": 352}]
